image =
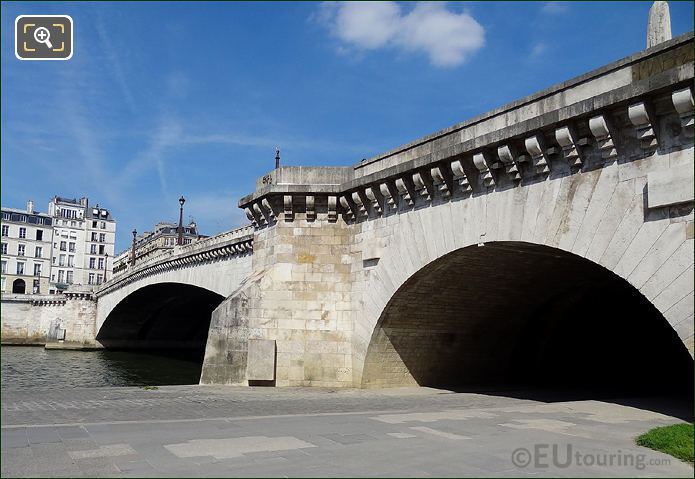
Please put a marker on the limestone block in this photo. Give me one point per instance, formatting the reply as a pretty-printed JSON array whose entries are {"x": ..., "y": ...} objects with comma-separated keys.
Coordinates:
[
  {"x": 671, "y": 186},
  {"x": 261, "y": 360}
]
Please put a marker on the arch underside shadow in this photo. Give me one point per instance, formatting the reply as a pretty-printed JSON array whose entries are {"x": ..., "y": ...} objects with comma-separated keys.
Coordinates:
[
  {"x": 514, "y": 315},
  {"x": 161, "y": 316}
]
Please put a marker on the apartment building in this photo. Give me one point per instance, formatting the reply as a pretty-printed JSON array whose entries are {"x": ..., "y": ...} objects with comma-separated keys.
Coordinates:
[{"x": 27, "y": 239}]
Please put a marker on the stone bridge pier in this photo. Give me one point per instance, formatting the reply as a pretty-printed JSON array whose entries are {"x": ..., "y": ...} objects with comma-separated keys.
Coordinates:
[{"x": 549, "y": 241}]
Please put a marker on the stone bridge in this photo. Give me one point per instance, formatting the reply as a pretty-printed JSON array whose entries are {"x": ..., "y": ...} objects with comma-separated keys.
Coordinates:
[
  {"x": 166, "y": 301},
  {"x": 548, "y": 241}
]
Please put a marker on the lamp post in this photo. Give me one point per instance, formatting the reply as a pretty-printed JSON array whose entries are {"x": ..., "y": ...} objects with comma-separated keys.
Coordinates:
[
  {"x": 106, "y": 266},
  {"x": 182, "y": 200},
  {"x": 132, "y": 257}
]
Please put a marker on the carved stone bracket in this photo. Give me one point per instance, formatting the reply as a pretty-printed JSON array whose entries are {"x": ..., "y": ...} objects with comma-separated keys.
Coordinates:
[
  {"x": 359, "y": 204},
  {"x": 332, "y": 208},
  {"x": 440, "y": 181},
  {"x": 251, "y": 217},
  {"x": 403, "y": 191},
  {"x": 683, "y": 103},
  {"x": 389, "y": 198},
  {"x": 507, "y": 157},
  {"x": 267, "y": 209},
  {"x": 347, "y": 207},
  {"x": 483, "y": 168},
  {"x": 259, "y": 214},
  {"x": 460, "y": 175},
  {"x": 287, "y": 207},
  {"x": 371, "y": 195},
  {"x": 421, "y": 186},
  {"x": 567, "y": 139},
  {"x": 640, "y": 118},
  {"x": 599, "y": 128},
  {"x": 539, "y": 161},
  {"x": 310, "y": 208}
]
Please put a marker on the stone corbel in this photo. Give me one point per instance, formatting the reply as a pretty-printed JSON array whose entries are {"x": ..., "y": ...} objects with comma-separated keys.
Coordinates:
[
  {"x": 439, "y": 181},
  {"x": 288, "y": 212},
  {"x": 259, "y": 214},
  {"x": 267, "y": 209},
  {"x": 403, "y": 191},
  {"x": 332, "y": 208},
  {"x": 683, "y": 103},
  {"x": 506, "y": 156},
  {"x": 347, "y": 207},
  {"x": 371, "y": 195},
  {"x": 639, "y": 117},
  {"x": 389, "y": 198},
  {"x": 485, "y": 174},
  {"x": 251, "y": 217},
  {"x": 359, "y": 204},
  {"x": 567, "y": 140},
  {"x": 310, "y": 208},
  {"x": 421, "y": 186},
  {"x": 460, "y": 175},
  {"x": 599, "y": 128},
  {"x": 534, "y": 146}
]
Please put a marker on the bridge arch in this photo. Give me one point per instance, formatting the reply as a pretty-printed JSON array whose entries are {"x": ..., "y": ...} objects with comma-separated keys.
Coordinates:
[
  {"x": 579, "y": 239},
  {"x": 164, "y": 315}
]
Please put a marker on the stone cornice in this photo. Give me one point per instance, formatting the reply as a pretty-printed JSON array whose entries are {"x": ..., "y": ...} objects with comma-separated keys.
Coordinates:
[{"x": 224, "y": 246}]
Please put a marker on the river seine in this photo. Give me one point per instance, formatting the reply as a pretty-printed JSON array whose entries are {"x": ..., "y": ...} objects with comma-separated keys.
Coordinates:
[{"x": 33, "y": 367}]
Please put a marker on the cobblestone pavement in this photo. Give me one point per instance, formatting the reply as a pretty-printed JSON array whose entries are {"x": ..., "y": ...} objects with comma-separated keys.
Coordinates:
[{"x": 223, "y": 431}]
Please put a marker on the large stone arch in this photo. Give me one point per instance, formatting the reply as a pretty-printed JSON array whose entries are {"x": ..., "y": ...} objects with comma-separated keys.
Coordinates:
[
  {"x": 160, "y": 315},
  {"x": 599, "y": 215}
]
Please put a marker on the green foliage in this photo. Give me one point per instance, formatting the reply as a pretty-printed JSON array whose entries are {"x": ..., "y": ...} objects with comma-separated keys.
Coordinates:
[
  {"x": 676, "y": 440},
  {"x": 149, "y": 388}
]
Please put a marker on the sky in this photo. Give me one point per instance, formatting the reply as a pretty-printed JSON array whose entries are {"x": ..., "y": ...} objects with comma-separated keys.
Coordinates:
[{"x": 167, "y": 99}]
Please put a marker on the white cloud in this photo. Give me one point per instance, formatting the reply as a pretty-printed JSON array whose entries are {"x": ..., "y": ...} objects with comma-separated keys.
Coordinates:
[
  {"x": 554, "y": 8},
  {"x": 447, "y": 37},
  {"x": 538, "y": 49}
]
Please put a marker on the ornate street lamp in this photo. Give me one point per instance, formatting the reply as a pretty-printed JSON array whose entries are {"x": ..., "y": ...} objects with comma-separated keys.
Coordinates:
[
  {"x": 132, "y": 258},
  {"x": 182, "y": 200},
  {"x": 106, "y": 266}
]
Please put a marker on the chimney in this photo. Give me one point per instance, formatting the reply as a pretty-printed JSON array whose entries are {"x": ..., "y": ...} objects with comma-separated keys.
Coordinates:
[
  {"x": 84, "y": 201},
  {"x": 30, "y": 207}
]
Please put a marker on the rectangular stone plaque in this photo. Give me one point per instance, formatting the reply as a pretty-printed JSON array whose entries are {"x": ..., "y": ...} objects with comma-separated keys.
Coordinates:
[
  {"x": 671, "y": 186},
  {"x": 260, "y": 365}
]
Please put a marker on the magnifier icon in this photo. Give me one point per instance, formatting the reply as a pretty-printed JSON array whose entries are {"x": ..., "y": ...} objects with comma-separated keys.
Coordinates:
[{"x": 43, "y": 35}]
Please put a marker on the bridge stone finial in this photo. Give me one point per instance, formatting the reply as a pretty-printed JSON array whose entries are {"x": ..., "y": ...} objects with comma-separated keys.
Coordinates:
[{"x": 659, "y": 25}]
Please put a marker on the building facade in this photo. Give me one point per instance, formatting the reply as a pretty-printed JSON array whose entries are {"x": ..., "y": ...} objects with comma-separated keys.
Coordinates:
[
  {"x": 150, "y": 243},
  {"x": 27, "y": 239},
  {"x": 83, "y": 243}
]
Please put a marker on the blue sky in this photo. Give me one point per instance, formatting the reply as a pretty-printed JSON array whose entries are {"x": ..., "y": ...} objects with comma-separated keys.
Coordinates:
[{"x": 164, "y": 99}]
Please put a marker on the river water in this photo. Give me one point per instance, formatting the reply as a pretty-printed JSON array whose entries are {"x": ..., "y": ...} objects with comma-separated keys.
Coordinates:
[{"x": 33, "y": 367}]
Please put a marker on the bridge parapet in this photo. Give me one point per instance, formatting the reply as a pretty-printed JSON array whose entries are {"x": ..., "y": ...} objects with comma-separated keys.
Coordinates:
[
  {"x": 236, "y": 242},
  {"x": 580, "y": 125}
]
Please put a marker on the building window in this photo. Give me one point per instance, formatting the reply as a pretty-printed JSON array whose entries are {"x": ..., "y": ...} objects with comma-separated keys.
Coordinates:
[
  {"x": 91, "y": 278},
  {"x": 68, "y": 277},
  {"x": 6, "y": 216},
  {"x": 36, "y": 286},
  {"x": 94, "y": 236},
  {"x": 54, "y": 260},
  {"x": 93, "y": 249},
  {"x": 39, "y": 235},
  {"x": 63, "y": 246},
  {"x": 37, "y": 269},
  {"x": 38, "y": 253},
  {"x": 101, "y": 249},
  {"x": 2, "y": 285},
  {"x": 61, "y": 260},
  {"x": 103, "y": 225},
  {"x": 71, "y": 247},
  {"x": 71, "y": 261},
  {"x": 20, "y": 249},
  {"x": 5, "y": 230},
  {"x": 101, "y": 263},
  {"x": 94, "y": 224},
  {"x": 187, "y": 241},
  {"x": 4, "y": 267},
  {"x": 102, "y": 237},
  {"x": 99, "y": 278},
  {"x": 22, "y": 232},
  {"x": 61, "y": 275},
  {"x": 20, "y": 268},
  {"x": 92, "y": 263},
  {"x": 4, "y": 248}
]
